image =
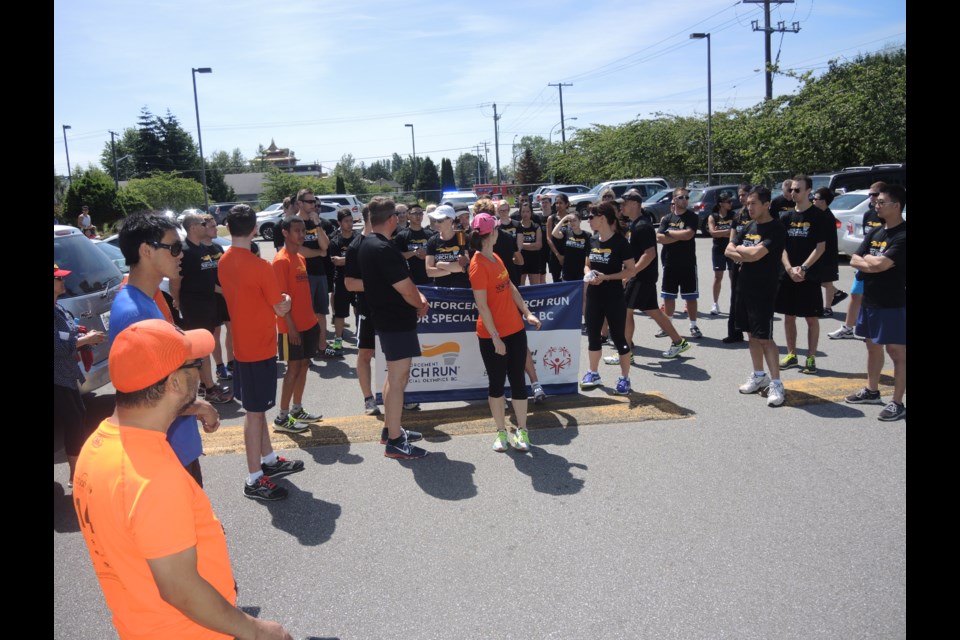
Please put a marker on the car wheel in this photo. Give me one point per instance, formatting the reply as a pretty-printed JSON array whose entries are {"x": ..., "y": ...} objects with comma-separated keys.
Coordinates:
[
  {"x": 266, "y": 231},
  {"x": 582, "y": 210}
]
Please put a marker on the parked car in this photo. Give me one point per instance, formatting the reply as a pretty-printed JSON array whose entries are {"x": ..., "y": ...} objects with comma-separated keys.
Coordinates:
[
  {"x": 702, "y": 201},
  {"x": 90, "y": 289},
  {"x": 853, "y": 178},
  {"x": 553, "y": 189},
  {"x": 848, "y": 209},
  {"x": 220, "y": 210},
  {"x": 268, "y": 220},
  {"x": 186, "y": 212},
  {"x": 344, "y": 200},
  {"x": 646, "y": 186},
  {"x": 455, "y": 198},
  {"x": 658, "y": 205}
]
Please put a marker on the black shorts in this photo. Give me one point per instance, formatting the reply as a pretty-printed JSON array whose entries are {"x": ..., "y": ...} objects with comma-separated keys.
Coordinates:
[
  {"x": 532, "y": 261},
  {"x": 682, "y": 279},
  {"x": 398, "y": 345},
  {"x": 754, "y": 314},
  {"x": 720, "y": 261},
  {"x": 801, "y": 299},
  {"x": 831, "y": 274},
  {"x": 223, "y": 314},
  {"x": 199, "y": 312},
  {"x": 641, "y": 295},
  {"x": 255, "y": 384},
  {"x": 308, "y": 347},
  {"x": 69, "y": 418},
  {"x": 366, "y": 334},
  {"x": 341, "y": 300},
  {"x": 318, "y": 293}
]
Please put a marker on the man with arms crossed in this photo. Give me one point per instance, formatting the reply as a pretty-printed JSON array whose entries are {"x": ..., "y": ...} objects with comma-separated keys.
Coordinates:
[
  {"x": 396, "y": 305},
  {"x": 255, "y": 300},
  {"x": 157, "y": 548},
  {"x": 758, "y": 248},
  {"x": 882, "y": 263}
]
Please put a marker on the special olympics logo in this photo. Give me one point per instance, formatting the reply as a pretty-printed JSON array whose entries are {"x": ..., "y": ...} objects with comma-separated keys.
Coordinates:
[
  {"x": 557, "y": 358},
  {"x": 447, "y": 350}
]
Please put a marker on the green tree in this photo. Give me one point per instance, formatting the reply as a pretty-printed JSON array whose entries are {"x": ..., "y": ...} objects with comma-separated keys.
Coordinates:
[
  {"x": 277, "y": 185},
  {"x": 466, "y": 170},
  {"x": 179, "y": 153},
  {"x": 126, "y": 154},
  {"x": 228, "y": 163},
  {"x": 352, "y": 175},
  {"x": 94, "y": 188},
  {"x": 447, "y": 180},
  {"x": 341, "y": 187},
  {"x": 428, "y": 181},
  {"x": 528, "y": 170},
  {"x": 378, "y": 170},
  {"x": 167, "y": 190}
]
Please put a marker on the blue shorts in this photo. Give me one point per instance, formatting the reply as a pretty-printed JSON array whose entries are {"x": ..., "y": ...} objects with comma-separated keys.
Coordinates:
[
  {"x": 882, "y": 326},
  {"x": 320, "y": 294},
  {"x": 399, "y": 345},
  {"x": 857, "y": 286},
  {"x": 255, "y": 384}
]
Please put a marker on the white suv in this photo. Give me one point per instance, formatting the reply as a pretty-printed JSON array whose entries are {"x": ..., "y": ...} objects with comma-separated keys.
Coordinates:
[
  {"x": 344, "y": 200},
  {"x": 646, "y": 186}
]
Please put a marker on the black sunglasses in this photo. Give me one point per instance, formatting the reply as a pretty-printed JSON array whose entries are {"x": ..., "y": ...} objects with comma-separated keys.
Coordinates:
[
  {"x": 308, "y": 201},
  {"x": 681, "y": 197},
  {"x": 873, "y": 195},
  {"x": 175, "y": 249},
  {"x": 795, "y": 190}
]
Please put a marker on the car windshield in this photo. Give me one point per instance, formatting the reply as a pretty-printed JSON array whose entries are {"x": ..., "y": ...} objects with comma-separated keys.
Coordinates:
[
  {"x": 820, "y": 181},
  {"x": 272, "y": 208},
  {"x": 696, "y": 195},
  {"x": 847, "y": 201},
  {"x": 659, "y": 195},
  {"x": 460, "y": 199},
  {"x": 92, "y": 270},
  {"x": 115, "y": 255}
]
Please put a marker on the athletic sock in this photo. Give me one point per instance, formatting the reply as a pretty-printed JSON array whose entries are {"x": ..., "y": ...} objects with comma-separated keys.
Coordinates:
[
  {"x": 269, "y": 459},
  {"x": 253, "y": 477}
]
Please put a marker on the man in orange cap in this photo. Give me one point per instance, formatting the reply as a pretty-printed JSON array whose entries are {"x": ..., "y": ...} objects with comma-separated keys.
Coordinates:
[{"x": 157, "y": 548}]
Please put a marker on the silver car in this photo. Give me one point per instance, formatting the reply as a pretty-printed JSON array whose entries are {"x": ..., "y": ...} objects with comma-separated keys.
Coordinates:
[
  {"x": 848, "y": 209},
  {"x": 90, "y": 290}
]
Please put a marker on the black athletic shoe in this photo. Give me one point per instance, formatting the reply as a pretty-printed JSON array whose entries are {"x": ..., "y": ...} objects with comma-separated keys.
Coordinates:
[
  {"x": 403, "y": 450},
  {"x": 412, "y": 436},
  {"x": 838, "y": 297},
  {"x": 264, "y": 489},
  {"x": 282, "y": 467},
  {"x": 733, "y": 339}
]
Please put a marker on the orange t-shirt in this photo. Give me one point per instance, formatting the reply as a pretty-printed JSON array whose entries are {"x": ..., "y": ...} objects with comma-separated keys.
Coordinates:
[
  {"x": 135, "y": 501},
  {"x": 251, "y": 290},
  {"x": 492, "y": 277},
  {"x": 291, "y": 272}
]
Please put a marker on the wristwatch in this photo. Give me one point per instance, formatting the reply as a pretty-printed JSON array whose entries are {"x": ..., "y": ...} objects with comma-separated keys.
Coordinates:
[{"x": 804, "y": 268}]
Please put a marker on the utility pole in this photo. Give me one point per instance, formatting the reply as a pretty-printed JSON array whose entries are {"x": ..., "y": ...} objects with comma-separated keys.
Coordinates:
[
  {"x": 113, "y": 148},
  {"x": 478, "y": 164},
  {"x": 496, "y": 140},
  {"x": 486, "y": 163},
  {"x": 563, "y": 129},
  {"x": 767, "y": 30}
]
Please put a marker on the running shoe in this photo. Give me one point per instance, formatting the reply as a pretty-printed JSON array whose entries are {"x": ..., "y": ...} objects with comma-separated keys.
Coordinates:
[
  {"x": 789, "y": 361},
  {"x": 893, "y": 411},
  {"x": 302, "y": 415},
  {"x": 838, "y": 297},
  {"x": 733, "y": 339},
  {"x": 864, "y": 396},
  {"x": 615, "y": 359},
  {"x": 370, "y": 406},
  {"x": 281, "y": 467},
  {"x": 776, "y": 395},
  {"x": 289, "y": 425},
  {"x": 502, "y": 443},
  {"x": 411, "y": 406},
  {"x": 810, "y": 366},
  {"x": 337, "y": 344},
  {"x": 539, "y": 395},
  {"x": 521, "y": 440},
  {"x": 841, "y": 333},
  {"x": 715, "y": 309},
  {"x": 660, "y": 334},
  {"x": 623, "y": 386},
  {"x": 755, "y": 383},
  {"x": 403, "y": 450},
  {"x": 330, "y": 354},
  {"x": 676, "y": 349},
  {"x": 264, "y": 489},
  {"x": 223, "y": 373},
  {"x": 218, "y": 395},
  {"x": 695, "y": 332},
  {"x": 412, "y": 436},
  {"x": 827, "y": 313},
  {"x": 591, "y": 380}
]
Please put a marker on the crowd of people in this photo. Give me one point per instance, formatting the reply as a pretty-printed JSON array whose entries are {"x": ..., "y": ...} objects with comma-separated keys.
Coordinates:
[{"x": 164, "y": 566}]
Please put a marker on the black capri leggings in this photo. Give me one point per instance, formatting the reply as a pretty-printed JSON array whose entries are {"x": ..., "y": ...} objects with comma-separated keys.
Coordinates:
[
  {"x": 607, "y": 304},
  {"x": 70, "y": 416},
  {"x": 509, "y": 366}
]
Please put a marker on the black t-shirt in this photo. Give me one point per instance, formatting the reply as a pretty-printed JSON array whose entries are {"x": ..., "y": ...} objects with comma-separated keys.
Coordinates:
[
  {"x": 198, "y": 269},
  {"x": 352, "y": 270},
  {"x": 871, "y": 222},
  {"x": 761, "y": 278},
  {"x": 315, "y": 266},
  {"x": 381, "y": 266},
  {"x": 530, "y": 235},
  {"x": 410, "y": 240},
  {"x": 608, "y": 257},
  {"x": 888, "y": 288},
  {"x": 552, "y": 221},
  {"x": 448, "y": 251},
  {"x": 722, "y": 224},
  {"x": 575, "y": 243},
  {"x": 642, "y": 237},
  {"x": 683, "y": 253},
  {"x": 338, "y": 248},
  {"x": 830, "y": 257},
  {"x": 509, "y": 229},
  {"x": 779, "y": 204},
  {"x": 505, "y": 246},
  {"x": 741, "y": 220},
  {"x": 804, "y": 231}
]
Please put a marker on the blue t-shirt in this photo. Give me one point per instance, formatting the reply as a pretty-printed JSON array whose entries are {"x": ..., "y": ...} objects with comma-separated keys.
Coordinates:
[{"x": 132, "y": 305}]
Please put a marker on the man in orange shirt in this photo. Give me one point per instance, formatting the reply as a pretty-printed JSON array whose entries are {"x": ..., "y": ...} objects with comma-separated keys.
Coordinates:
[
  {"x": 254, "y": 301},
  {"x": 298, "y": 332},
  {"x": 157, "y": 548}
]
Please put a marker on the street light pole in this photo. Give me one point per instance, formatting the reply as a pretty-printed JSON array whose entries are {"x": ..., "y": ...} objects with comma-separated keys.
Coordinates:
[
  {"x": 700, "y": 36},
  {"x": 413, "y": 142},
  {"x": 65, "y": 148},
  {"x": 550, "y": 136},
  {"x": 203, "y": 162}
]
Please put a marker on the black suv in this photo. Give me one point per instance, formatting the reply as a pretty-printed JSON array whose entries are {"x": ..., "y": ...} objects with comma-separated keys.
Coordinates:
[
  {"x": 220, "y": 210},
  {"x": 853, "y": 178},
  {"x": 702, "y": 200}
]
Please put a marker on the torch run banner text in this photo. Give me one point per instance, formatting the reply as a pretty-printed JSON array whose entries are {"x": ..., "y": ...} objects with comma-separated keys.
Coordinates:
[{"x": 450, "y": 367}]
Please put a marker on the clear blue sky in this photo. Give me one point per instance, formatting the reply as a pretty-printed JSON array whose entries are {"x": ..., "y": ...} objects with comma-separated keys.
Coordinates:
[{"x": 328, "y": 78}]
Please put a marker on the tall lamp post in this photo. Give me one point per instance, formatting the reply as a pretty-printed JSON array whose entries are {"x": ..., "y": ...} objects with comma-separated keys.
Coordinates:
[
  {"x": 701, "y": 36},
  {"x": 413, "y": 141},
  {"x": 203, "y": 162},
  {"x": 65, "y": 148},
  {"x": 550, "y": 137}
]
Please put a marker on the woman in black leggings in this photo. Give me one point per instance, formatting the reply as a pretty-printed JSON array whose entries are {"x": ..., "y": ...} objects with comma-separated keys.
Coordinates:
[
  {"x": 608, "y": 262},
  {"x": 503, "y": 340}
]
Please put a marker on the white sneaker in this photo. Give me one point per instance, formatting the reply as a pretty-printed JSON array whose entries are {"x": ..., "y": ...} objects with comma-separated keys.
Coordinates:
[
  {"x": 539, "y": 395},
  {"x": 715, "y": 309},
  {"x": 776, "y": 395},
  {"x": 501, "y": 444},
  {"x": 370, "y": 407},
  {"x": 841, "y": 333},
  {"x": 754, "y": 383}
]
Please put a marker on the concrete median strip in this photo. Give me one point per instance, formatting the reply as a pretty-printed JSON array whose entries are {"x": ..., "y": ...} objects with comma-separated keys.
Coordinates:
[{"x": 558, "y": 412}]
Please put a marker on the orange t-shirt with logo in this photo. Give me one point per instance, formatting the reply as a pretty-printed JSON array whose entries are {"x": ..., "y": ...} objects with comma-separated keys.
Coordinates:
[
  {"x": 492, "y": 277},
  {"x": 251, "y": 290},
  {"x": 291, "y": 272},
  {"x": 135, "y": 502}
]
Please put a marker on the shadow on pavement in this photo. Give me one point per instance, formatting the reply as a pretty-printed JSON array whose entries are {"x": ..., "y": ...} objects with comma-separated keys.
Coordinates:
[
  {"x": 311, "y": 520},
  {"x": 549, "y": 473},
  {"x": 64, "y": 515},
  {"x": 443, "y": 478},
  {"x": 678, "y": 368}
]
